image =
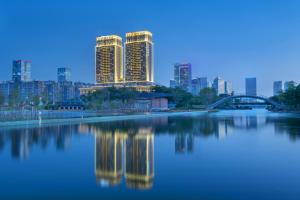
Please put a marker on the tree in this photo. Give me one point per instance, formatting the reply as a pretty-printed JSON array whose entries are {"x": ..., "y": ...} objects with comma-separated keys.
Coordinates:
[
  {"x": 182, "y": 98},
  {"x": 109, "y": 97},
  {"x": 208, "y": 96},
  {"x": 35, "y": 100},
  {"x": 162, "y": 89},
  {"x": 127, "y": 95},
  {"x": 290, "y": 97}
]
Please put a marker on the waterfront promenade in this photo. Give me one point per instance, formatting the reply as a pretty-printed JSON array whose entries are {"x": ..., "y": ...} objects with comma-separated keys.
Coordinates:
[{"x": 86, "y": 117}]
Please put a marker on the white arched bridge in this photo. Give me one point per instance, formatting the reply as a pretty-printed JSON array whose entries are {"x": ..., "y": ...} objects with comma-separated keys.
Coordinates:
[{"x": 226, "y": 99}]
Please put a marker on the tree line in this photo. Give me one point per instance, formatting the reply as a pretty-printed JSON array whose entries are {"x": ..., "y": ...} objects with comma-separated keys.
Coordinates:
[
  {"x": 289, "y": 97},
  {"x": 117, "y": 97},
  {"x": 113, "y": 97}
]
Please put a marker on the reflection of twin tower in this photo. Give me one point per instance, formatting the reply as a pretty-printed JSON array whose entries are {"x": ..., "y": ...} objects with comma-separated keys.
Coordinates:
[
  {"x": 138, "y": 61},
  {"x": 138, "y": 154}
]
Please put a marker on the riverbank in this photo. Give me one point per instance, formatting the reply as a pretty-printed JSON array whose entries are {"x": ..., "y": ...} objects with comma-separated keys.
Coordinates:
[{"x": 107, "y": 118}]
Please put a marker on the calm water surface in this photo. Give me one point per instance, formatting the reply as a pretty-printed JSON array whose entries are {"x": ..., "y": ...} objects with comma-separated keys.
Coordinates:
[{"x": 225, "y": 155}]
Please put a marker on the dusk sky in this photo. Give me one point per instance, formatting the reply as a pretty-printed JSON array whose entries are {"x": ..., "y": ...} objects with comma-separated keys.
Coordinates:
[{"x": 232, "y": 39}]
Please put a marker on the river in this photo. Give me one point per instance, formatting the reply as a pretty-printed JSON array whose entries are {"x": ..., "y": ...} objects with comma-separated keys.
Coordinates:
[{"x": 252, "y": 154}]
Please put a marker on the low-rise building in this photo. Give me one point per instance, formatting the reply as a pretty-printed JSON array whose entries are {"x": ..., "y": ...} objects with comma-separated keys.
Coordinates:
[
  {"x": 68, "y": 105},
  {"x": 151, "y": 102}
]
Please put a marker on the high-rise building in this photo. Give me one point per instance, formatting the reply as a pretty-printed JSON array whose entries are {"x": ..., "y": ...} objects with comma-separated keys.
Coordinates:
[
  {"x": 198, "y": 84},
  {"x": 183, "y": 76},
  {"x": 251, "y": 86},
  {"x": 139, "y": 65},
  {"x": 228, "y": 88},
  {"x": 109, "y": 59},
  {"x": 289, "y": 84},
  {"x": 63, "y": 74},
  {"x": 277, "y": 87},
  {"x": 21, "y": 70},
  {"x": 219, "y": 85}
]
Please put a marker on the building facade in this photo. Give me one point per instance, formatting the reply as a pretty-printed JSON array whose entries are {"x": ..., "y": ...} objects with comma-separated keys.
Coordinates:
[
  {"x": 66, "y": 91},
  {"x": 51, "y": 91},
  {"x": 277, "y": 87},
  {"x": 251, "y": 86},
  {"x": 183, "y": 76},
  {"x": 219, "y": 85},
  {"x": 139, "y": 65},
  {"x": 198, "y": 84},
  {"x": 31, "y": 90},
  {"x": 228, "y": 88},
  {"x": 109, "y": 60},
  {"x": 63, "y": 74},
  {"x": 21, "y": 70}
]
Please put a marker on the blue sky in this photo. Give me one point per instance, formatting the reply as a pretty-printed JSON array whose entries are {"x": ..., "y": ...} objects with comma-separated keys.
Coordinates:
[{"x": 233, "y": 39}]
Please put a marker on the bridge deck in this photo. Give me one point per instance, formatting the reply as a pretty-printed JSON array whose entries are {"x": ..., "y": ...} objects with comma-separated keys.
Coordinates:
[{"x": 230, "y": 98}]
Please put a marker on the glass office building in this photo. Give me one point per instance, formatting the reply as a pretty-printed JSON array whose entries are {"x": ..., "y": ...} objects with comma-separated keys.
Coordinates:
[
  {"x": 183, "y": 76},
  {"x": 63, "y": 74},
  {"x": 199, "y": 84},
  {"x": 21, "y": 70},
  {"x": 251, "y": 88},
  {"x": 219, "y": 85}
]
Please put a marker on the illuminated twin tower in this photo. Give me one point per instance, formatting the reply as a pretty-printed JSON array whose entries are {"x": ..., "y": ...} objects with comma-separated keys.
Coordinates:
[{"x": 137, "y": 65}]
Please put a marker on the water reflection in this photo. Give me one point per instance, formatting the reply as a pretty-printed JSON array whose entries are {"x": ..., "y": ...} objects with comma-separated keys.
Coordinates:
[
  {"x": 290, "y": 127},
  {"x": 108, "y": 157},
  {"x": 119, "y": 133},
  {"x": 139, "y": 159},
  {"x": 184, "y": 143},
  {"x": 124, "y": 150},
  {"x": 118, "y": 154},
  {"x": 22, "y": 140}
]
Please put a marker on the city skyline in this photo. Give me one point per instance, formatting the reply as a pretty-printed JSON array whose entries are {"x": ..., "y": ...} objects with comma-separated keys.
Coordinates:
[
  {"x": 230, "y": 44},
  {"x": 140, "y": 99}
]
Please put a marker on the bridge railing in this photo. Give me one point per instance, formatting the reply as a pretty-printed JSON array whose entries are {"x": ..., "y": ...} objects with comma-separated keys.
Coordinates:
[{"x": 260, "y": 97}]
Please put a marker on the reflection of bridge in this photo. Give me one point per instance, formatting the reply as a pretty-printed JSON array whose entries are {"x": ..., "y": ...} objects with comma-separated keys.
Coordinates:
[{"x": 267, "y": 101}]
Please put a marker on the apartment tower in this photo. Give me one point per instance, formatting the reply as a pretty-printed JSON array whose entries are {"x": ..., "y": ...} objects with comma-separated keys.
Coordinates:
[{"x": 109, "y": 65}]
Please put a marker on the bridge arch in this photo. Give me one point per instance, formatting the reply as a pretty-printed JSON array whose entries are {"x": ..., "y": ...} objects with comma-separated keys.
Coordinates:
[{"x": 229, "y": 98}]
